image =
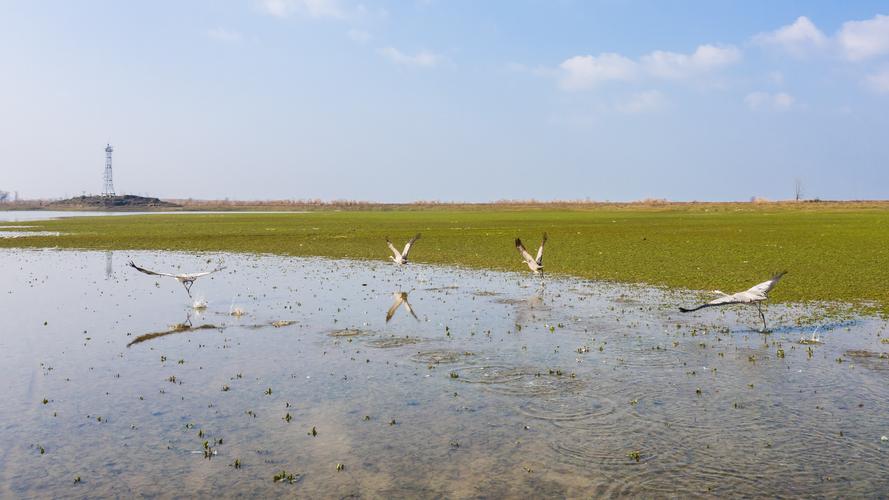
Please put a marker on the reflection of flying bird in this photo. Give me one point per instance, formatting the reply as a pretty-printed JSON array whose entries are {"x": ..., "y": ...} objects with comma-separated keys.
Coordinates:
[
  {"x": 535, "y": 265},
  {"x": 401, "y": 257},
  {"x": 755, "y": 295},
  {"x": 400, "y": 298},
  {"x": 187, "y": 279},
  {"x": 185, "y": 326}
]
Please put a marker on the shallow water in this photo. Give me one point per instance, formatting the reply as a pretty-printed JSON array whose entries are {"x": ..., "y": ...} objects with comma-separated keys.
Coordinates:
[
  {"x": 500, "y": 387},
  {"x": 37, "y": 215}
]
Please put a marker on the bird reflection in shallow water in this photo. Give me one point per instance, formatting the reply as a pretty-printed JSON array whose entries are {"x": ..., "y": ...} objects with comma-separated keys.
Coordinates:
[
  {"x": 109, "y": 265},
  {"x": 400, "y": 298},
  {"x": 185, "y": 326}
]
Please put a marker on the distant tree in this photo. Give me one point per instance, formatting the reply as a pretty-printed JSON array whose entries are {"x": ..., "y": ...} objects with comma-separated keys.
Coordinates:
[
  {"x": 4, "y": 196},
  {"x": 798, "y": 189}
]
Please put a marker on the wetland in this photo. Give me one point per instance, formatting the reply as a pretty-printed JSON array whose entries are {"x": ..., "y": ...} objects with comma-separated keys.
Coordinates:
[{"x": 282, "y": 376}]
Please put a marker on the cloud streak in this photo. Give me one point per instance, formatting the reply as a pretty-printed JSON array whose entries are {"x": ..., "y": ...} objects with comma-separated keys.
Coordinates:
[
  {"x": 587, "y": 71},
  {"x": 422, "y": 59},
  {"x": 312, "y": 8}
]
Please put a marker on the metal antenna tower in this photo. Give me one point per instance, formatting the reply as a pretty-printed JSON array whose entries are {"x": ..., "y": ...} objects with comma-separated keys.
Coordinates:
[{"x": 109, "y": 182}]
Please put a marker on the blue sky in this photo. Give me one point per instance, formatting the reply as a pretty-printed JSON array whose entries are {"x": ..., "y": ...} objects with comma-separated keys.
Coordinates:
[{"x": 446, "y": 100}]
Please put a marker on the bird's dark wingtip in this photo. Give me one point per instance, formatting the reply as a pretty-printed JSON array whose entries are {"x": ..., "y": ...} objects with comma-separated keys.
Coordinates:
[{"x": 685, "y": 309}]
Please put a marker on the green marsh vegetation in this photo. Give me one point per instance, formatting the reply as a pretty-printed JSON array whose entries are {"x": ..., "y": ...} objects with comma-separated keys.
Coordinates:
[{"x": 834, "y": 252}]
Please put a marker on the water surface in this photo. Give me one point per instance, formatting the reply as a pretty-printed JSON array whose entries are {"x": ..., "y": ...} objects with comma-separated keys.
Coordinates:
[{"x": 503, "y": 385}]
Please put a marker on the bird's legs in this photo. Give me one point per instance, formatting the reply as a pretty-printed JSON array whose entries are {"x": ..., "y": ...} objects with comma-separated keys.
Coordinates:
[
  {"x": 763, "y": 316},
  {"x": 187, "y": 284}
]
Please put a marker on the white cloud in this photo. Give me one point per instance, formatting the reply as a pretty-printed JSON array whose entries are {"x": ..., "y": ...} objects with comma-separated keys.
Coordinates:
[
  {"x": 581, "y": 72},
  {"x": 360, "y": 36},
  {"x": 879, "y": 82},
  {"x": 780, "y": 101},
  {"x": 224, "y": 35},
  {"x": 584, "y": 72},
  {"x": 855, "y": 40},
  {"x": 861, "y": 40},
  {"x": 312, "y": 8},
  {"x": 673, "y": 65},
  {"x": 422, "y": 59},
  {"x": 650, "y": 100},
  {"x": 800, "y": 38}
]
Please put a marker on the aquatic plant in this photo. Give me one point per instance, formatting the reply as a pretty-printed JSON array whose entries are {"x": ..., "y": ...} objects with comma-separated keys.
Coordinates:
[{"x": 285, "y": 477}]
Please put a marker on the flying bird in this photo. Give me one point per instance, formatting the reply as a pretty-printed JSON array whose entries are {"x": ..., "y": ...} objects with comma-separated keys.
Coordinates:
[
  {"x": 535, "y": 265},
  {"x": 400, "y": 298},
  {"x": 755, "y": 295},
  {"x": 187, "y": 279},
  {"x": 401, "y": 257}
]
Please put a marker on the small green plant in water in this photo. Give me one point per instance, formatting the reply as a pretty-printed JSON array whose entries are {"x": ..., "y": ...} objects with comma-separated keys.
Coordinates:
[
  {"x": 284, "y": 477},
  {"x": 635, "y": 455}
]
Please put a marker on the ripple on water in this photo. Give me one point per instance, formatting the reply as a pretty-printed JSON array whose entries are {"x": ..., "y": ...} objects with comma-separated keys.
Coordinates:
[
  {"x": 520, "y": 381},
  {"x": 569, "y": 408},
  {"x": 349, "y": 332},
  {"x": 440, "y": 356},
  {"x": 391, "y": 342}
]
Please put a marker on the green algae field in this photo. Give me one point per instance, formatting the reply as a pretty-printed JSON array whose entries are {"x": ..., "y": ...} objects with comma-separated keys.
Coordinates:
[{"x": 836, "y": 253}]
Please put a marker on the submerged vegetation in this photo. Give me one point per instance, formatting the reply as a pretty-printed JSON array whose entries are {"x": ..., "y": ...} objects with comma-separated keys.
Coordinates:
[{"x": 834, "y": 252}]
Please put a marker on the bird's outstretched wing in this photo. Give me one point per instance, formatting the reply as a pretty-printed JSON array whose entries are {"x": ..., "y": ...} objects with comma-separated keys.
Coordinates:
[
  {"x": 720, "y": 301},
  {"x": 205, "y": 273},
  {"x": 524, "y": 253},
  {"x": 407, "y": 248},
  {"x": 539, "y": 258},
  {"x": 399, "y": 298},
  {"x": 392, "y": 248},
  {"x": 148, "y": 271},
  {"x": 766, "y": 286}
]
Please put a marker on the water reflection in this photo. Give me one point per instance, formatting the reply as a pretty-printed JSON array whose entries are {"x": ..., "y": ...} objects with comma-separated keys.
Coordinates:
[
  {"x": 399, "y": 299},
  {"x": 185, "y": 326},
  {"x": 109, "y": 265}
]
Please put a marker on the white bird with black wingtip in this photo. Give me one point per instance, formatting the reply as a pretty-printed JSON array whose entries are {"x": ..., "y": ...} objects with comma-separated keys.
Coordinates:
[
  {"x": 535, "y": 264},
  {"x": 401, "y": 257},
  {"x": 187, "y": 279},
  {"x": 755, "y": 295}
]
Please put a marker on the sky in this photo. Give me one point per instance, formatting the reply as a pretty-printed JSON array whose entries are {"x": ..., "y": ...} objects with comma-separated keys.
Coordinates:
[{"x": 456, "y": 100}]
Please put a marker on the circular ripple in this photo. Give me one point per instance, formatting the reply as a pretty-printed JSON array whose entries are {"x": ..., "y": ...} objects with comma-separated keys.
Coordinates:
[
  {"x": 391, "y": 342},
  {"x": 436, "y": 357},
  {"x": 519, "y": 381},
  {"x": 348, "y": 332},
  {"x": 568, "y": 409}
]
